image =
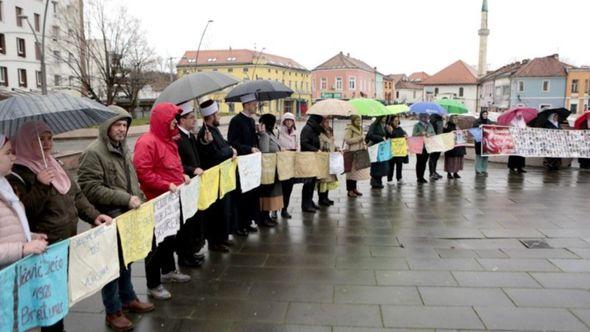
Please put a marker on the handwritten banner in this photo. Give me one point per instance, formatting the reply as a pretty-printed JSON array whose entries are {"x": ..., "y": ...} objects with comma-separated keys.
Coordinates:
[
  {"x": 227, "y": 174},
  {"x": 399, "y": 147},
  {"x": 42, "y": 287},
  {"x": 209, "y": 188},
  {"x": 336, "y": 163},
  {"x": 374, "y": 153},
  {"x": 286, "y": 165},
  {"x": 440, "y": 143},
  {"x": 306, "y": 165},
  {"x": 250, "y": 170},
  {"x": 166, "y": 216},
  {"x": 7, "y": 278},
  {"x": 189, "y": 198},
  {"x": 136, "y": 230},
  {"x": 416, "y": 144},
  {"x": 269, "y": 168},
  {"x": 323, "y": 164},
  {"x": 384, "y": 152},
  {"x": 94, "y": 261}
]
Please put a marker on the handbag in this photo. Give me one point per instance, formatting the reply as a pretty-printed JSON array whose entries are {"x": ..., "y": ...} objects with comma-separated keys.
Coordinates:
[
  {"x": 348, "y": 160},
  {"x": 361, "y": 159}
]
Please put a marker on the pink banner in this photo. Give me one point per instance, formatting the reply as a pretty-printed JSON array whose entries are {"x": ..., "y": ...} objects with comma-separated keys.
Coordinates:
[
  {"x": 497, "y": 141},
  {"x": 416, "y": 144}
]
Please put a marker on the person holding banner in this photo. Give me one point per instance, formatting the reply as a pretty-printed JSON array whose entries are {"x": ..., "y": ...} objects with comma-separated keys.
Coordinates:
[
  {"x": 516, "y": 163},
  {"x": 481, "y": 162},
  {"x": 396, "y": 163},
  {"x": 220, "y": 218},
  {"x": 327, "y": 145},
  {"x": 310, "y": 141},
  {"x": 159, "y": 170},
  {"x": 377, "y": 133},
  {"x": 355, "y": 141},
  {"x": 454, "y": 157},
  {"x": 437, "y": 123},
  {"x": 107, "y": 177},
  {"x": 242, "y": 135},
  {"x": 422, "y": 128},
  {"x": 287, "y": 142},
  {"x": 552, "y": 164},
  {"x": 271, "y": 195}
]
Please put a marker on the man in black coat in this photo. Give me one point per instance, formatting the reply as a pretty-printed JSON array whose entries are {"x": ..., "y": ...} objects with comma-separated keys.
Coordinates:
[
  {"x": 190, "y": 238},
  {"x": 310, "y": 141},
  {"x": 438, "y": 124}
]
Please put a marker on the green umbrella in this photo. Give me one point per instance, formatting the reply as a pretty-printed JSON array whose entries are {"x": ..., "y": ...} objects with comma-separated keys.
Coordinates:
[
  {"x": 453, "y": 106},
  {"x": 397, "y": 109},
  {"x": 369, "y": 107}
]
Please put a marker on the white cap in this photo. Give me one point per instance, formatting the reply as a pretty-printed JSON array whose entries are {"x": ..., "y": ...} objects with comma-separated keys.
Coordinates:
[
  {"x": 186, "y": 108},
  {"x": 208, "y": 107},
  {"x": 248, "y": 98}
]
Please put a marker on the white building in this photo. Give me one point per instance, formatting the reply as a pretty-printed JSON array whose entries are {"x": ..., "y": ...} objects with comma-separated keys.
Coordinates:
[
  {"x": 20, "y": 65},
  {"x": 407, "y": 92},
  {"x": 457, "y": 81}
]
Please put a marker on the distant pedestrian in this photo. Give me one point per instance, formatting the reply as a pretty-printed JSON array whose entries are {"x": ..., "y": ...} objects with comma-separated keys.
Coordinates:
[
  {"x": 552, "y": 164},
  {"x": 354, "y": 140},
  {"x": 376, "y": 134},
  {"x": 454, "y": 157},
  {"x": 288, "y": 142},
  {"x": 396, "y": 163},
  {"x": 438, "y": 125},
  {"x": 516, "y": 163},
  {"x": 422, "y": 128},
  {"x": 331, "y": 182},
  {"x": 310, "y": 142},
  {"x": 271, "y": 195},
  {"x": 481, "y": 162}
]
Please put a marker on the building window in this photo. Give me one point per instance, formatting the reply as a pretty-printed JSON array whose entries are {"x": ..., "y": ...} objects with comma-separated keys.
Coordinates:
[
  {"x": 1, "y": 11},
  {"x": 71, "y": 80},
  {"x": 520, "y": 86},
  {"x": 55, "y": 33},
  {"x": 3, "y": 76},
  {"x": 21, "y": 49},
  {"x": 338, "y": 83},
  {"x": 38, "y": 78},
  {"x": 587, "y": 86},
  {"x": 37, "y": 22},
  {"x": 22, "y": 78},
  {"x": 397, "y": 95},
  {"x": 574, "y": 108},
  {"x": 575, "y": 86},
  {"x": 230, "y": 70},
  {"x": 19, "y": 13},
  {"x": 461, "y": 92},
  {"x": 245, "y": 70},
  {"x": 57, "y": 80},
  {"x": 2, "y": 44},
  {"x": 323, "y": 83},
  {"x": 57, "y": 56},
  {"x": 546, "y": 86},
  {"x": 352, "y": 83},
  {"x": 436, "y": 91}
]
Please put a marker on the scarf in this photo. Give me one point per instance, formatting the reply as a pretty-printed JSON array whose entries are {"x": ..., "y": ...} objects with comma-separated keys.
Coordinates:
[{"x": 28, "y": 154}]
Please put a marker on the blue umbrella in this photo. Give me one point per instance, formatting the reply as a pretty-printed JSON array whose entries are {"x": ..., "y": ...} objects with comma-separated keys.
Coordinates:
[{"x": 427, "y": 108}]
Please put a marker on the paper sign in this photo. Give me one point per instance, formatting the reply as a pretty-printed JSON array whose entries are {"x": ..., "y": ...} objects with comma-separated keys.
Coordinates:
[
  {"x": 136, "y": 231},
  {"x": 440, "y": 143},
  {"x": 448, "y": 140},
  {"x": 227, "y": 177},
  {"x": 384, "y": 152},
  {"x": 189, "y": 198},
  {"x": 461, "y": 137},
  {"x": 7, "y": 278},
  {"x": 250, "y": 170},
  {"x": 269, "y": 168},
  {"x": 374, "y": 153},
  {"x": 209, "y": 191},
  {"x": 416, "y": 144},
  {"x": 286, "y": 165},
  {"x": 336, "y": 163},
  {"x": 42, "y": 287},
  {"x": 306, "y": 165},
  {"x": 166, "y": 216},
  {"x": 399, "y": 147},
  {"x": 323, "y": 164},
  {"x": 476, "y": 133},
  {"x": 94, "y": 261}
]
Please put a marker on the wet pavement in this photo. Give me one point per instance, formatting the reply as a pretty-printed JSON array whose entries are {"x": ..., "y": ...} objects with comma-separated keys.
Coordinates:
[{"x": 443, "y": 256}]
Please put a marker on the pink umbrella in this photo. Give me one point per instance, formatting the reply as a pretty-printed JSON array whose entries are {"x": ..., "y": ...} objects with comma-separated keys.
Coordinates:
[
  {"x": 528, "y": 114},
  {"x": 582, "y": 121}
]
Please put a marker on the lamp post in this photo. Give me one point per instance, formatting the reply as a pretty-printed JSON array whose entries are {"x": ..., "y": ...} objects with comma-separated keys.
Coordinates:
[{"x": 200, "y": 41}]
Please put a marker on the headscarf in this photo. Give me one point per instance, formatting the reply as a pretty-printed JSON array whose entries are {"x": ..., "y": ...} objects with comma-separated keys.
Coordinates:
[
  {"x": 518, "y": 121},
  {"x": 8, "y": 195},
  {"x": 288, "y": 116},
  {"x": 29, "y": 153},
  {"x": 553, "y": 121}
]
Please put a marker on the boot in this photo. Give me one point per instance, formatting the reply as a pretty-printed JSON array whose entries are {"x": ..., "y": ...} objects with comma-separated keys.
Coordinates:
[{"x": 118, "y": 322}]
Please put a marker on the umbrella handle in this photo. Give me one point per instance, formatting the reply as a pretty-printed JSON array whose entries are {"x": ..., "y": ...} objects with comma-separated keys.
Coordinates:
[{"x": 41, "y": 147}]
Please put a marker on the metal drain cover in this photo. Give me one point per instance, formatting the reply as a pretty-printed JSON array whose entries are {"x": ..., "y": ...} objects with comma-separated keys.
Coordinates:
[{"x": 536, "y": 244}]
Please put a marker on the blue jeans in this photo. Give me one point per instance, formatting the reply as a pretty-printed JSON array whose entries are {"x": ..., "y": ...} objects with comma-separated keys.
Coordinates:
[
  {"x": 118, "y": 292},
  {"x": 481, "y": 164}
]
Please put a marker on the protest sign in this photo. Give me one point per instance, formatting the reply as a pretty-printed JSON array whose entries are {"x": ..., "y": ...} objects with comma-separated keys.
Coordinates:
[
  {"x": 189, "y": 198},
  {"x": 227, "y": 177},
  {"x": 42, "y": 287},
  {"x": 323, "y": 164},
  {"x": 306, "y": 165},
  {"x": 136, "y": 230},
  {"x": 384, "y": 152},
  {"x": 209, "y": 191},
  {"x": 286, "y": 165},
  {"x": 415, "y": 144},
  {"x": 336, "y": 163},
  {"x": 440, "y": 143},
  {"x": 7, "y": 278},
  {"x": 269, "y": 168},
  {"x": 94, "y": 261},
  {"x": 374, "y": 153},
  {"x": 461, "y": 137},
  {"x": 166, "y": 216},
  {"x": 476, "y": 133},
  {"x": 497, "y": 141},
  {"x": 399, "y": 147},
  {"x": 250, "y": 170}
]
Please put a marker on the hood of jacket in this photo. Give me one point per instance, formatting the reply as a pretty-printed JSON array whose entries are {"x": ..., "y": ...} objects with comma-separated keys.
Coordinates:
[
  {"x": 160, "y": 119},
  {"x": 103, "y": 129}
]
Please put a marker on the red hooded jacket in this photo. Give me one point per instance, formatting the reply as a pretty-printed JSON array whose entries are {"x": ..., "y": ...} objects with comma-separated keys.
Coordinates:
[{"x": 156, "y": 158}]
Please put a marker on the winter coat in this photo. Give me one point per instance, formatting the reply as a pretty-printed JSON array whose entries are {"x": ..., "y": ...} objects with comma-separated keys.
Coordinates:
[
  {"x": 189, "y": 154},
  {"x": 106, "y": 174},
  {"x": 241, "y": 134},
  {"x": 268, "y": 143},
  {"x": 12, "y": 236},
  {"x": 376, "y": 133},
  {"x": 156, "y": 158},
  {"x": 214, "y": 152},
  {"x": 310, "y": 134},
  {"x": 288, "y": 142},
  {"x": 437, "y": 123}
]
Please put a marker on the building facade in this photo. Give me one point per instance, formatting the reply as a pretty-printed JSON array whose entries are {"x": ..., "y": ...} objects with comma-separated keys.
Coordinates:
[
  {"x": 457, "y": 81},
  {"x": 247, "y": 65},
  {"x": 495, "y": 88},
  {"x": 407, "y": 92},
  {"x": 379, "y": 86},
  {"x": 577, "y": 93},
  {"x": 343, "y": 77}
]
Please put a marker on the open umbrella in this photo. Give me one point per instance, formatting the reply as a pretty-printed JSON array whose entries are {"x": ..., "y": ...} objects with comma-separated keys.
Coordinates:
[
  {"x": 425, "y": 107},
  {"x": 334, "y": 107},
  {"x": 582, "y": 121},
  {"x": 543, "y": 116},
  {"x": 397, "y": 109},
  {"x": 453, "y": 106},
  {"x": 194, "y": 86},
  {"x": 60, "y": 111},
  {"x": 368, "y": 107},
  {"x": 527, "y": 113},
  {"x": 263, "y": 89}
]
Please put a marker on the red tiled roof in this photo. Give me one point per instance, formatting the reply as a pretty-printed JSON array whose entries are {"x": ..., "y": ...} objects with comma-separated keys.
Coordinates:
[
  {"x": 396, "y": 77},
  {"x": 341, "y": 61},
  {"x": 507, "y": 70},
  {"x": 408, "y": 85},
  {"x": 418, "y": 77},
  {"x": 548, "y": 66},
  {"x": 458, "y": 73},
  {"x": 232, "y": 57}
]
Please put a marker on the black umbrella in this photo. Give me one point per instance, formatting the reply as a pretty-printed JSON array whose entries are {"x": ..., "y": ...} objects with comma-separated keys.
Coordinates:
[
  {"x": 194, "y": 86},
  {"x": 263, "y": 89},
  {"x": 544, "y": 115}
]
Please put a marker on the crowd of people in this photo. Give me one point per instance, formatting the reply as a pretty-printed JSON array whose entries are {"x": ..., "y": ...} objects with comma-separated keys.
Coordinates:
[{"x": 41, "y": 203}]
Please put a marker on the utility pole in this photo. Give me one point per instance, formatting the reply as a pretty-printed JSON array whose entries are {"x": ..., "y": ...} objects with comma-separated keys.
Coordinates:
[
  {"x": 83, "y": 46},
  {"x": 171, "y": 69},
  {"x": 200, "y": 41}
]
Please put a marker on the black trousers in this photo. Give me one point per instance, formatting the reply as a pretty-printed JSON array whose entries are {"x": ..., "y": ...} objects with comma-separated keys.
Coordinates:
[
  {"x": 396, "y": 165},
  {"x": 350, "y": 185},
  {"x": 307, "y": 193},
  {"x": 190, "y": 237},
  {"x": 248, "y": 208},
  {"x": 159, "y": 261},
  {"x": 57, "y": 327},
  {"x": 517, "y": 162},
  {"x": 287, "y": 190},
  {"x": 216, "y": 223},
  {"x": 421, "y": 161},
  {"x": 433, "y": 161}
]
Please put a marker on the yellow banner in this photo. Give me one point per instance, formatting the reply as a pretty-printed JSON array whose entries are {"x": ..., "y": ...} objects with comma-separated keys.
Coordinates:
[
  {"x": 209, "y": 187},
  {"x": 269, "y": 168},
  {"x": 136, "y": 230},
  {"x": 227, "y": 177},
  {"x": 399, "y": 147},
  {"x": 286, "y": 165},
  {"x": 306, "y": 165}
]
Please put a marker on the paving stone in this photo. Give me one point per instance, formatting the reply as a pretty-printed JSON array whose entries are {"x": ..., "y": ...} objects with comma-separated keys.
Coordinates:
[
  {"x": 463, "y": 296},
  {"x": 292, "y": 292},
  {"x": 539, "y": 253},
  {"x": 377, "y": 295},
  {"x": 256, "y": 327},
  {"x": 583, "y": 314},
  {"x": 376, "y": 263},
  {"x": 555, "y": 298},
  {"x": 239, "y": 310},
  {"x": 524, "y": 265},
  {"x": 444, "y": 264},
  {"x": 563, "y": 280},
  {"x": 572, "y": 265},
  {"x": 529, "y": 319},
  {"x": 431, "y": 317},
  {"x": 334, "y": 314},
  {"x": 512, "y": 233},
  {"x": 415, "y": 278},
  {"x": 495, "y": 279}
]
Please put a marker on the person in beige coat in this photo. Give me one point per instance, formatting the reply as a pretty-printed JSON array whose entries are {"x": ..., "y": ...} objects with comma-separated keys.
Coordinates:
[
  {"x": 16, "y": 239},
  {"x": 355, "y": 140}
]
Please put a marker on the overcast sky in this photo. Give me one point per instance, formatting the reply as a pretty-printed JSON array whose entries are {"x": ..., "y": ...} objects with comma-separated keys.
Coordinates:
[{"x": 397, "y": 36}]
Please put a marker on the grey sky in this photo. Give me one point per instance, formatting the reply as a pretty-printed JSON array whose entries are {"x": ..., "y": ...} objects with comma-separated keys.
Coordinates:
[{"x": 395, "y": 35}]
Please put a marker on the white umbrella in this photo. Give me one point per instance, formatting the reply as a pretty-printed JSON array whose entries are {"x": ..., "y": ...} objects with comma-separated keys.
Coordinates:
[{"x": 332, "y": 107}]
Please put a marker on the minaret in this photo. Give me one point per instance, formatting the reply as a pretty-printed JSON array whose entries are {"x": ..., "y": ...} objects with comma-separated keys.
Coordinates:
[{"x": 483, "y": 40}]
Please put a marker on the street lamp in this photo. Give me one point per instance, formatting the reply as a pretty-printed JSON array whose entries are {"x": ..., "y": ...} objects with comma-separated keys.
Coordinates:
[{"x": 200, "y": 41}]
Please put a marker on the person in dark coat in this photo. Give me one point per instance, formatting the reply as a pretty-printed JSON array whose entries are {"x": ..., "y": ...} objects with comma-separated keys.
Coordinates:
[
  {"x": 516, "y": 163},
  {"x": 220, "y": 217},
  {"x": 454, "y": 157},
  {"x": 552, "y": 164},
  {"x": 242, "y": 135},
  {"x": 376, "y": 134},
  {"x": 481, "y": 162},
  {"x": 396, "y": 163},
  {"x": 190, "y": 238},
  {"x": 310, "y": 141},
  {"x": 437, "y": 124}
]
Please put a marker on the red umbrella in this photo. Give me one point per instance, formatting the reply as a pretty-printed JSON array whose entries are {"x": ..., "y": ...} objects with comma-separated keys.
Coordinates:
[
  {"x": 527, "y": 113},
  {"x": 581, "y": 121}
]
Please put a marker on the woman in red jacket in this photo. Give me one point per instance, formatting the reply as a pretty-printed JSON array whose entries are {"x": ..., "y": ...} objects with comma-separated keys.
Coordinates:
[{"x": 159, "y": 169}]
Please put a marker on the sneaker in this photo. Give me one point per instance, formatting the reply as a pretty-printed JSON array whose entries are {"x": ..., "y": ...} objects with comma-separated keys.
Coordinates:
[
  {"x": 160, "y": 293},
  {"x": 175, "y": 276}
]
